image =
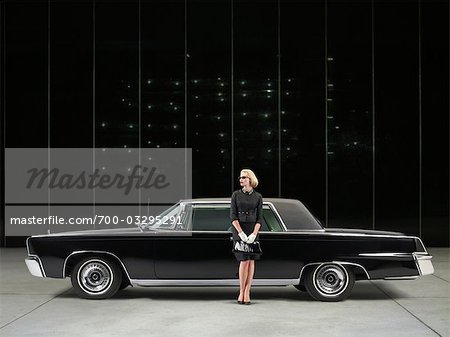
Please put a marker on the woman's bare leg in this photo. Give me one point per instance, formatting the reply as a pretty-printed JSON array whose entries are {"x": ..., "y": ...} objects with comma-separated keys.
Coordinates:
[
  {"x": 243, "y": 275},
  {"x": 248, "y": 281}
]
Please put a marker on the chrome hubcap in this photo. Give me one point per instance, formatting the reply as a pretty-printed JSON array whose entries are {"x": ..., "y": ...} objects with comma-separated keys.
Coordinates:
[
  {"x": 95, "y": 277},
  {"x": 330, "y": 279}
]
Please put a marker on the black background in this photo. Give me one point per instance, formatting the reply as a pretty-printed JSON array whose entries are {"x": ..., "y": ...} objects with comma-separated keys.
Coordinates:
[{"x": 341, "y": 104}]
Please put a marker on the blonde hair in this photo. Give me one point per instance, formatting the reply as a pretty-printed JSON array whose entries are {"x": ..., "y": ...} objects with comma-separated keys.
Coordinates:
[{"x": 252, "y": 176}]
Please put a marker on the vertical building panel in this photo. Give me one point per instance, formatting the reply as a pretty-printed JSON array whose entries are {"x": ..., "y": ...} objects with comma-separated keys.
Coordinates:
[
  {"x": 209, "y": 96},
  {"x": 302, "y": 98},
  {"x": 435, "y": 122},
  {"x": 26, "y": 108},
  {"x": 256, "y": 128},
  {"x": 397, "y": 116},
  {"x": 349, "y": 113},
  {"x": 116, "y": 73},
  {"x": 163, "y": 74},
  {"x": 71, "y": 74}
]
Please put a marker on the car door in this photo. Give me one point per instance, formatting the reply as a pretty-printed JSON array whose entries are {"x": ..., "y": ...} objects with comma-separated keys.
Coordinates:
[
  {"x": 201, "y": 249},
  {"x": 277, "y": 260}
]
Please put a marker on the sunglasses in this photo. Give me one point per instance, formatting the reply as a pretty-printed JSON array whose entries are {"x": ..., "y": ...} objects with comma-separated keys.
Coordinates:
[{"x": 243, "y": 177}]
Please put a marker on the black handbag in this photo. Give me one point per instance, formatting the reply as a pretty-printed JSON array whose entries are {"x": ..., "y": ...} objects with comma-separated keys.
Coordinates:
[{"x": 247, "y": 248}]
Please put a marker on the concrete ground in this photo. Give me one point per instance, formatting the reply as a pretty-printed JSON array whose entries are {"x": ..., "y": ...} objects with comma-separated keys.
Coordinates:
[{"x": 32, "y": 306}]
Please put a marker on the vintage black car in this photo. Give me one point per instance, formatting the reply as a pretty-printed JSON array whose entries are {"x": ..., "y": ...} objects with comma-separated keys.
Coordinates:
[{"x": 190, "y": 244}]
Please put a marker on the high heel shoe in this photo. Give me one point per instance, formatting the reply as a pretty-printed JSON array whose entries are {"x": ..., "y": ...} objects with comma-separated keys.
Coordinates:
[
  {"x": 247, "y": 303},
  {"x": 240, "y": 302}
]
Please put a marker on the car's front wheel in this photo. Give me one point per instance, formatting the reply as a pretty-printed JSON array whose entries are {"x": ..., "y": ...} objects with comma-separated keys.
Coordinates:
[
  {"x": 329, "y": 282},
  {"x": 96, "y": 278}
]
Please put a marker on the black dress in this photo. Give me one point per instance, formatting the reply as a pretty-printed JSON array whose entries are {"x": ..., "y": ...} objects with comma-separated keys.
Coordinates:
[{"x": 246, "y": 207}]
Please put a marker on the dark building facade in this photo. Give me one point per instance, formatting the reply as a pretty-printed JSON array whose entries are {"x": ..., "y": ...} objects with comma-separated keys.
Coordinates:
[{"x": 341, "y": 104}]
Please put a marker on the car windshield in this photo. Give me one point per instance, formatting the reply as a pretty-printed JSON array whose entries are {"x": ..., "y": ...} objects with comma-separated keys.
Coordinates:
[{"x": 167, "y": 220}]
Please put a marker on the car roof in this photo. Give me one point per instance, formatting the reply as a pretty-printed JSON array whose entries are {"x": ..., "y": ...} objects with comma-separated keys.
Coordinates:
[
  {"x": 273, "y": 200},
  {"x": 294, "y": 213}
]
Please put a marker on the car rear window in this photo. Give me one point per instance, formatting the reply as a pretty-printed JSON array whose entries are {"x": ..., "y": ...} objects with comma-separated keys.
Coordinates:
[{"x": 296, "y": 216}]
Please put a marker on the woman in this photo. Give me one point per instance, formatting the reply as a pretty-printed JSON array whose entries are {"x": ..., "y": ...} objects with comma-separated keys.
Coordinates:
[{"x": 246, "y": 214}]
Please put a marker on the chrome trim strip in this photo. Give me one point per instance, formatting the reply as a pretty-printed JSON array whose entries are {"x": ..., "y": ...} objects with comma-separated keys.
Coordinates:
[
  {"x": 41, "y": 266},
  {"x": 26, "y": 244},
  {"x": 230, "y": 232},
  {"x": 296, "y": 232},
  {"x": 392, "y": 278},
  {"x": 207, "y": 201},
  {"x": 423, "y": 264},
  {"x": 34, "y": 266},
  {"x": 416, "y": 263},
  {"x": 206, "y": 204},
  {"x": 386, "y": 254},
  {"x": 95, "y": 252},
  {"x": 40, "y": 263},
  {"x": 305, "y": 232},
  {"x": 371, "y": 235},
  {"x": 212, "y": 282},
  {"x": 336, "y": 262},
  {"x": 187, "y": 232},
  {"x": 422, "y": 253}
]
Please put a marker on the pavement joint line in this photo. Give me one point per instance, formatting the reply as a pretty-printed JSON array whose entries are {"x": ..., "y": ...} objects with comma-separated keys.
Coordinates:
[
  {"x": 410, "y": 312},
  {"x": 29, "y": 312},
  {"x": 443, "y": 279}
]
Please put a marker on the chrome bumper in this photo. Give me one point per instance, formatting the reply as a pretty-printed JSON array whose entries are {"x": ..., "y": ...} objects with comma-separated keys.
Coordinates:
[
  {"x": 34, "y": 266},
  {"x": 423, "y": 263}
]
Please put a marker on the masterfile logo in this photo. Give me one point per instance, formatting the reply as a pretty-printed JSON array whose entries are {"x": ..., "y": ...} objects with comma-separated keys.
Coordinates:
[
  {"x": 55, "y": 179},
  {"x": 66, "y": 189},
  {"x": 100, "y": 175}
]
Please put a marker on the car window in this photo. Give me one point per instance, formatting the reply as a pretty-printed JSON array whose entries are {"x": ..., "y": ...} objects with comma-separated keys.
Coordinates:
[
  {"x": 211, "y": 219},
  {"x": 217, "y": 218},
  {"x": 296, "y": 216},
  {"x": 271, "y": 221}
]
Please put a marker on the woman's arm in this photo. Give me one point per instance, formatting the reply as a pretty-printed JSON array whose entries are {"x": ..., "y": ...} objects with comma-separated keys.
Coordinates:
[
  {"x": 258, "y": 216},
  {"x": 256, "y": 229},
  {"x": 233, "y": 214},
  {"x": 236, "y": 225}
]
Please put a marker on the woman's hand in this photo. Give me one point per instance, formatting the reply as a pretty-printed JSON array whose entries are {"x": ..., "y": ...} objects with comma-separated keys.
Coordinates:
[
  {"x": 243, "y": 236},
  {"x": 251, "y": 238}
]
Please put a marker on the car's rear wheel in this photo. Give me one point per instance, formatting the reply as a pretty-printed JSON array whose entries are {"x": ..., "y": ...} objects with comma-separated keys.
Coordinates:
[
  {"x": 329, "y": 282},
  {"x": 96, "y": 278}
]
